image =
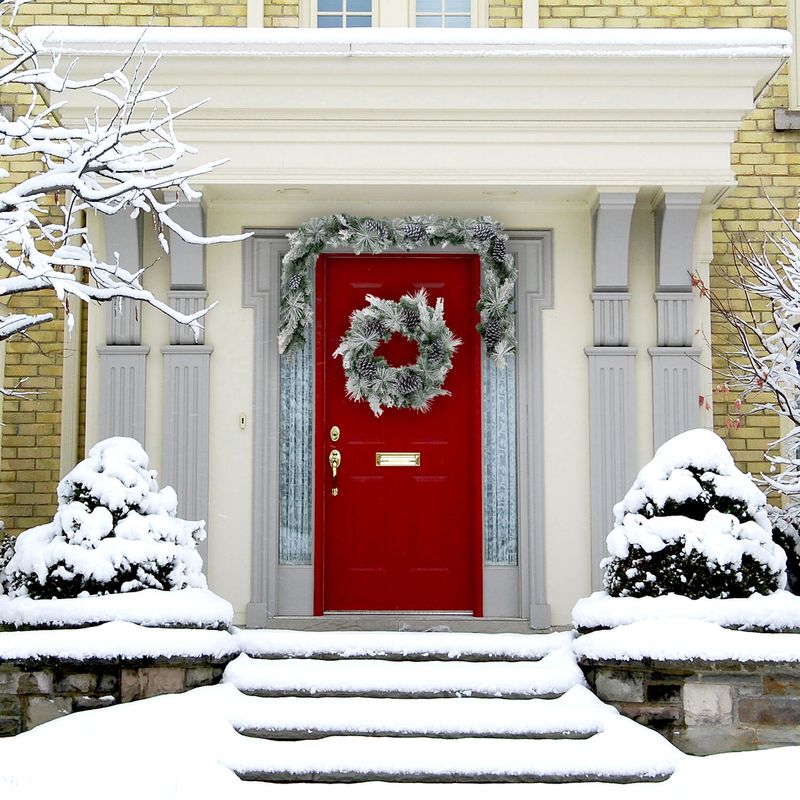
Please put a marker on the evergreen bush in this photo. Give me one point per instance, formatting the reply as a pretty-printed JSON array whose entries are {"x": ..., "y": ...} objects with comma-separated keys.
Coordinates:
[
  {"x": 693, "y": 524},
  {"x": 114, "y": 531}
]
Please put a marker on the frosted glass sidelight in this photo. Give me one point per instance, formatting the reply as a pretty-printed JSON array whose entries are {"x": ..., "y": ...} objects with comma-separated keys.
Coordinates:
[
  {"x": 500, "y": 463},
  {"x": 296, "y": 453}
]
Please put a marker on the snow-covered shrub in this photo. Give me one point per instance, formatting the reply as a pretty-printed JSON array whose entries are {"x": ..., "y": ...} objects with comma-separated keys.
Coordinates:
[
  {"x": 786, "y": 533},
  {"x": 114, "y": 531},
  {"x": 693, "y": 524}
]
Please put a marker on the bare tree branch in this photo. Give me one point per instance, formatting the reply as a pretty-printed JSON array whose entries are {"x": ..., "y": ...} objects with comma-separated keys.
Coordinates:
[{"x": 106, "y": 166}]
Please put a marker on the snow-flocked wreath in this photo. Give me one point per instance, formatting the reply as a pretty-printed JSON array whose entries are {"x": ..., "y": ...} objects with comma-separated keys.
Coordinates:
[
  {"x": 371, "y": 379},
  {"x": 366, "y": 235}
]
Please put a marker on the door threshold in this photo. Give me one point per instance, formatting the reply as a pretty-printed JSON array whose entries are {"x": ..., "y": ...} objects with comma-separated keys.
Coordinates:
[
  {"x": 461, "y": 614},
  {"x": 403, "y": 622}
]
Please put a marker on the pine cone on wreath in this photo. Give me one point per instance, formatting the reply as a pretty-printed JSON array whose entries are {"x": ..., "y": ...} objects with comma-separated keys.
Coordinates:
[
  {"x": 435, "y": 351},
  {"x": 367, "y": 368},
  {"x": 499, "y": 249},
  {"x": 413, "y": 232},
  {"x": 492, "y": 333},
  {"x": 482, "y": 231},
  {"x": 374, "y": 327},
  {"x": 408, "y": 383},
  {"x": 294, "y": 282},
  {"x": 410, "y": 318},
  {"x": 378, "y": 229}
]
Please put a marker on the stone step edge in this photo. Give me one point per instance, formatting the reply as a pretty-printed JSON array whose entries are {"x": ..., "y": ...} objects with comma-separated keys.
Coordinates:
[
  {"x": 393, "y": 694},
  {"x": 305, "y": 734},
  {"x": 275, "y": 776},
  {"x": 473, "y": 658}
]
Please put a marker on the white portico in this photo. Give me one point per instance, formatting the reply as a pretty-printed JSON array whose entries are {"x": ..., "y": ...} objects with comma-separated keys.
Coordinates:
[{"x": 602, "y": 153}]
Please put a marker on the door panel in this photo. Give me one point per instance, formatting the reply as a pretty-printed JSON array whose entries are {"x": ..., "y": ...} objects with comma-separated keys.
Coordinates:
[{"x": 399, "y": 538}]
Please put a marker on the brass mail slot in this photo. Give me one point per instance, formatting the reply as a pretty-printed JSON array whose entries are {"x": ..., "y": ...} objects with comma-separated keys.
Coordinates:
[{"x": 396, "y": 459}]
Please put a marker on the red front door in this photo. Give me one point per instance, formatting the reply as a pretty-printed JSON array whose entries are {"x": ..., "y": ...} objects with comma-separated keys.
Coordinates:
[{"x": 399, "y": 538}]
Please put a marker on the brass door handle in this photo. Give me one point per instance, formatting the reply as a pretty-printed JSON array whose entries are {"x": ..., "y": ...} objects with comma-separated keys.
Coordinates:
[{"x": 335, "y": 460}]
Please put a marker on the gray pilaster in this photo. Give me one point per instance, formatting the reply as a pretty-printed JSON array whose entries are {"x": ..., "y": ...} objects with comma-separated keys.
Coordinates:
[
  {"x": 188, "y": 261},
  {"x": 123, "y": 237},
  {"x": 674, "y": 318},
  {"x": 612, "y": 440},
  {"x": 187, "y": 302},
  {"x": 675, "y": 391},
  {"x": 611, "y": 227},
  {"x": 122, "y": 390},
  {"x": 185, "y": 428},
  {"x": 611, "y": 313},
  {"x": 612, "y": 407},
  {"x": 676, "y": 221},
  {"x": 674, "y": 360},
  {"x": 187, "y": 373}
]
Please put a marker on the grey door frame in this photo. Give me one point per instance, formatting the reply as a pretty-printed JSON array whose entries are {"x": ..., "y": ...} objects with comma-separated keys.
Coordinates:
[{"x": 283, "y": 590}]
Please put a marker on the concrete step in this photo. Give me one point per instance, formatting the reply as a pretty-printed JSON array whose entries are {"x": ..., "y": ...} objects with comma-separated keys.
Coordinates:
[
  {"x": 605, "y": 757},
  {"x": 400, "y": 646},
  {"x": 550, "y": 677},
  {"x": 575, "y": 715}
]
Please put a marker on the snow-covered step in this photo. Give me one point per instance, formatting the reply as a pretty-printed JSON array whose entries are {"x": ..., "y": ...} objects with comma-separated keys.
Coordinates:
[
  {"x": 575, "y": 715},
  {"x": 405, "y": 646},
  {"x": 549, "y": 677},
  {"x": 623, "y": 752}
]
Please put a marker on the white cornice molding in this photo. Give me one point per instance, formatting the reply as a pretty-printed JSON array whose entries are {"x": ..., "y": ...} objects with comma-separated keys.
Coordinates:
[
  {"x": 517, "y": 107},
  {"x": 415, "y": 42}
]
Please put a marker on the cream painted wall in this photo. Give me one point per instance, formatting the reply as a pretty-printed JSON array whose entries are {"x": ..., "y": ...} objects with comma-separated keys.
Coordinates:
[
  {"x": 230, "y": 331},
  {"x": 567, "y": 330}
]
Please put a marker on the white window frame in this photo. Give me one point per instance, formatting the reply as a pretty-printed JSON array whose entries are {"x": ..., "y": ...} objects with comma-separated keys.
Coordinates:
[{"x": 394, "y": 13}]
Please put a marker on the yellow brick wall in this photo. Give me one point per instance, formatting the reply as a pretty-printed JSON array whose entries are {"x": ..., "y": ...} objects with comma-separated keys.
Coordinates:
[
  {"x": 505, "y": 13},
  {"x": 282, "y": 14},
  {"x": 134, "y": 12},
  {"x": 31, "y": 431}
]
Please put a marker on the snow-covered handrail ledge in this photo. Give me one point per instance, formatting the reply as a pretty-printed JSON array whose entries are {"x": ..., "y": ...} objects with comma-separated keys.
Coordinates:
[{"x": 394, "y": 42}]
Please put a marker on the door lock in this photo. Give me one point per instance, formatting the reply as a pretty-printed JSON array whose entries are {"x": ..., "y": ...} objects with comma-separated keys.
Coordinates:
[
  {"x": 335, "y": 460},
  {"x": 335, "y": 433}
]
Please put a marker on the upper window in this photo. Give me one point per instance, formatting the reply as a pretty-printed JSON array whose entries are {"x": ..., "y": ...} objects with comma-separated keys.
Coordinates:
[
  {"x": 344, "y": 13},
  {"x": 443, "y": 14},
  {"x": 397, "y": 13}
]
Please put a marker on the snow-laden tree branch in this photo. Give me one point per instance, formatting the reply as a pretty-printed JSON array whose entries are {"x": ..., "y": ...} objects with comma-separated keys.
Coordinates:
[
  {"x": 762, "y": 309},
  {"x": 118, "y": 163}
]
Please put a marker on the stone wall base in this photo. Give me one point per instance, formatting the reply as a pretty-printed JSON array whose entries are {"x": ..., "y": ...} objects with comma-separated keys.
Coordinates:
[
  {"x": 35, "y": 692},
  {"x": 705, "y": 707}
]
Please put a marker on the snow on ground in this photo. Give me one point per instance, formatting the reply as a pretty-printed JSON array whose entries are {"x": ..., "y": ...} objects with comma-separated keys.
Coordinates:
[
  {"x": 152, "y": 607},
  {"x": 780, "y": 610},
  {"x": 114, "y": 640},
  {"x": 686, "y": 639},
  {"x": 169, "y": 747}
]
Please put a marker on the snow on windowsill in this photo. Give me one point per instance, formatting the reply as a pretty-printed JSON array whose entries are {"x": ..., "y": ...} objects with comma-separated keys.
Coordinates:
[
  {"x": 775, "y": 612},
  {"x": 187, "y": 608},
  {"x": 686, "y": 640},
  {"x": 471, "y": 42}
]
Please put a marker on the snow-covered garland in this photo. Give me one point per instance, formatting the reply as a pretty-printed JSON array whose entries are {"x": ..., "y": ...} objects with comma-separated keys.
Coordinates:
[
  {"x": 371, "y": 378},
  {"x": 367, "y": 235}
]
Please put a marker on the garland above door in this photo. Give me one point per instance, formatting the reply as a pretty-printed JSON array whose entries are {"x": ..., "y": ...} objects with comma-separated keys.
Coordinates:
[{"x": 482, "y": 235}]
